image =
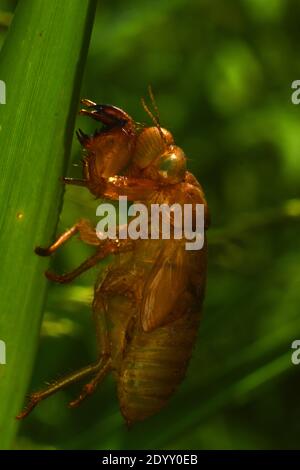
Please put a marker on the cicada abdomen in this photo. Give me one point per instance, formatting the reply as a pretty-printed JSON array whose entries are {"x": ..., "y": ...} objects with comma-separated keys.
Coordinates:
[
  {"x": 153, "y": 301},
  {"x": 154, "y": 366}
]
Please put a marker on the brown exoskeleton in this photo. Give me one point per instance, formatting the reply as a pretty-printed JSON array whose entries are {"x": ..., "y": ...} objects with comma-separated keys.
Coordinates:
[{"x": 146, "y": 308}]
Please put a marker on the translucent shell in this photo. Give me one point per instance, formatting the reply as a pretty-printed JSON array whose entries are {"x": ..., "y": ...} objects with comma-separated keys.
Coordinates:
[{"x": 150, "y": 145}]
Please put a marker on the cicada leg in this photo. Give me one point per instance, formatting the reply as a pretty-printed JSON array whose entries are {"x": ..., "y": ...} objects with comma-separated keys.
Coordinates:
[
  {"x": 103, "y": 344},
  {"x": 106, "y": 248},
  {"x": 83, "y": 227},
  {"x": 75, "y": 181},
  {"x": 90, "y": 387},
  {"x": 36, "y": 397},
  {"x": 100, "y": 368},
  {"x": 123, "y": 282},
  {"x": 69, "y": 277},
  {"x": 136, "y": 189}
]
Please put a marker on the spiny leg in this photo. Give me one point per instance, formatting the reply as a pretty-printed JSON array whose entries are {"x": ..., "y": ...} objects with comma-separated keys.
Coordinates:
[
  {"x": 103, "y": 364},
  {"x": 109, "y": 285},
  {"x": 109, "y": 115},
  {"x": 100, "y": 368},
  {"x": 108, "y": 247},
  {"x": 70, "y": 276},
  {"x": 83, "y": 227},
  {"x": 103, "y": 344},
  {"x": 60, "y": 241},
  {"x": 140, "y": 189},
  {"x": 90, "y": 387},
  {"x": 60, "y": 384}
]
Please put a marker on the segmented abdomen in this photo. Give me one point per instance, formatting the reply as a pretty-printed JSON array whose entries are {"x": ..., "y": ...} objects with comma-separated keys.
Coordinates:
[{"x": 155, "y": 363}]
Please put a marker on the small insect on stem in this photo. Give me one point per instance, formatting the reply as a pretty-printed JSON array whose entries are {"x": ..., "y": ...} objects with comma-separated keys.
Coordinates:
[{"x": 152, "y": 294}]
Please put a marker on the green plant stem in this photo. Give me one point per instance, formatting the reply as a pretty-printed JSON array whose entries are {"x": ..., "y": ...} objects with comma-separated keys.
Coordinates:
[{"x": 41, "y": 63}]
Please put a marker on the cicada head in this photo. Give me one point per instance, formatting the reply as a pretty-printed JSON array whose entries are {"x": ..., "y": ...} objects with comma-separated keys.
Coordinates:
[
  {"x": 157, "y": 155},
  {"x": 150, "y": 144}
]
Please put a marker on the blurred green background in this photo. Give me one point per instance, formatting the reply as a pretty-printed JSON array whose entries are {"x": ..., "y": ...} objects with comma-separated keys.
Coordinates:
[{"x": 222, "y": 73}]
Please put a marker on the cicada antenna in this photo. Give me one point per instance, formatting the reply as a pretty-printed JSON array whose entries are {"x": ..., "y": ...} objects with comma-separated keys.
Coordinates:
[
  {"x": 154, "y": 104},
  {"x": 155, "y": 118}
]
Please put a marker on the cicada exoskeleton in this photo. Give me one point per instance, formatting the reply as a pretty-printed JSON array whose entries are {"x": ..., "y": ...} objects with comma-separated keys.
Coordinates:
[{"x": 151, "y": 295}]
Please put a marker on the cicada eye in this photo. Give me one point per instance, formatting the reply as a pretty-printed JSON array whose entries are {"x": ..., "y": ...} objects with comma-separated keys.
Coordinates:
[
  {"x": 150, "y": 144},
  {"x": 171, "y": 165}
]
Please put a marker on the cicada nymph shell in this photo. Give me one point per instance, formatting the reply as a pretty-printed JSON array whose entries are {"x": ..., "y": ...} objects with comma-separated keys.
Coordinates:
[{"x": 147, "y": 304}]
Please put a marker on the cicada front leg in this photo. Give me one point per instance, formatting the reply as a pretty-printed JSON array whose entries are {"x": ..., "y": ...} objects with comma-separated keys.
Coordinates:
[
  {"x": 86, "y": 232},
  {"x": 105, "y": 249},
  {"x": 88, "y": 235}
]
